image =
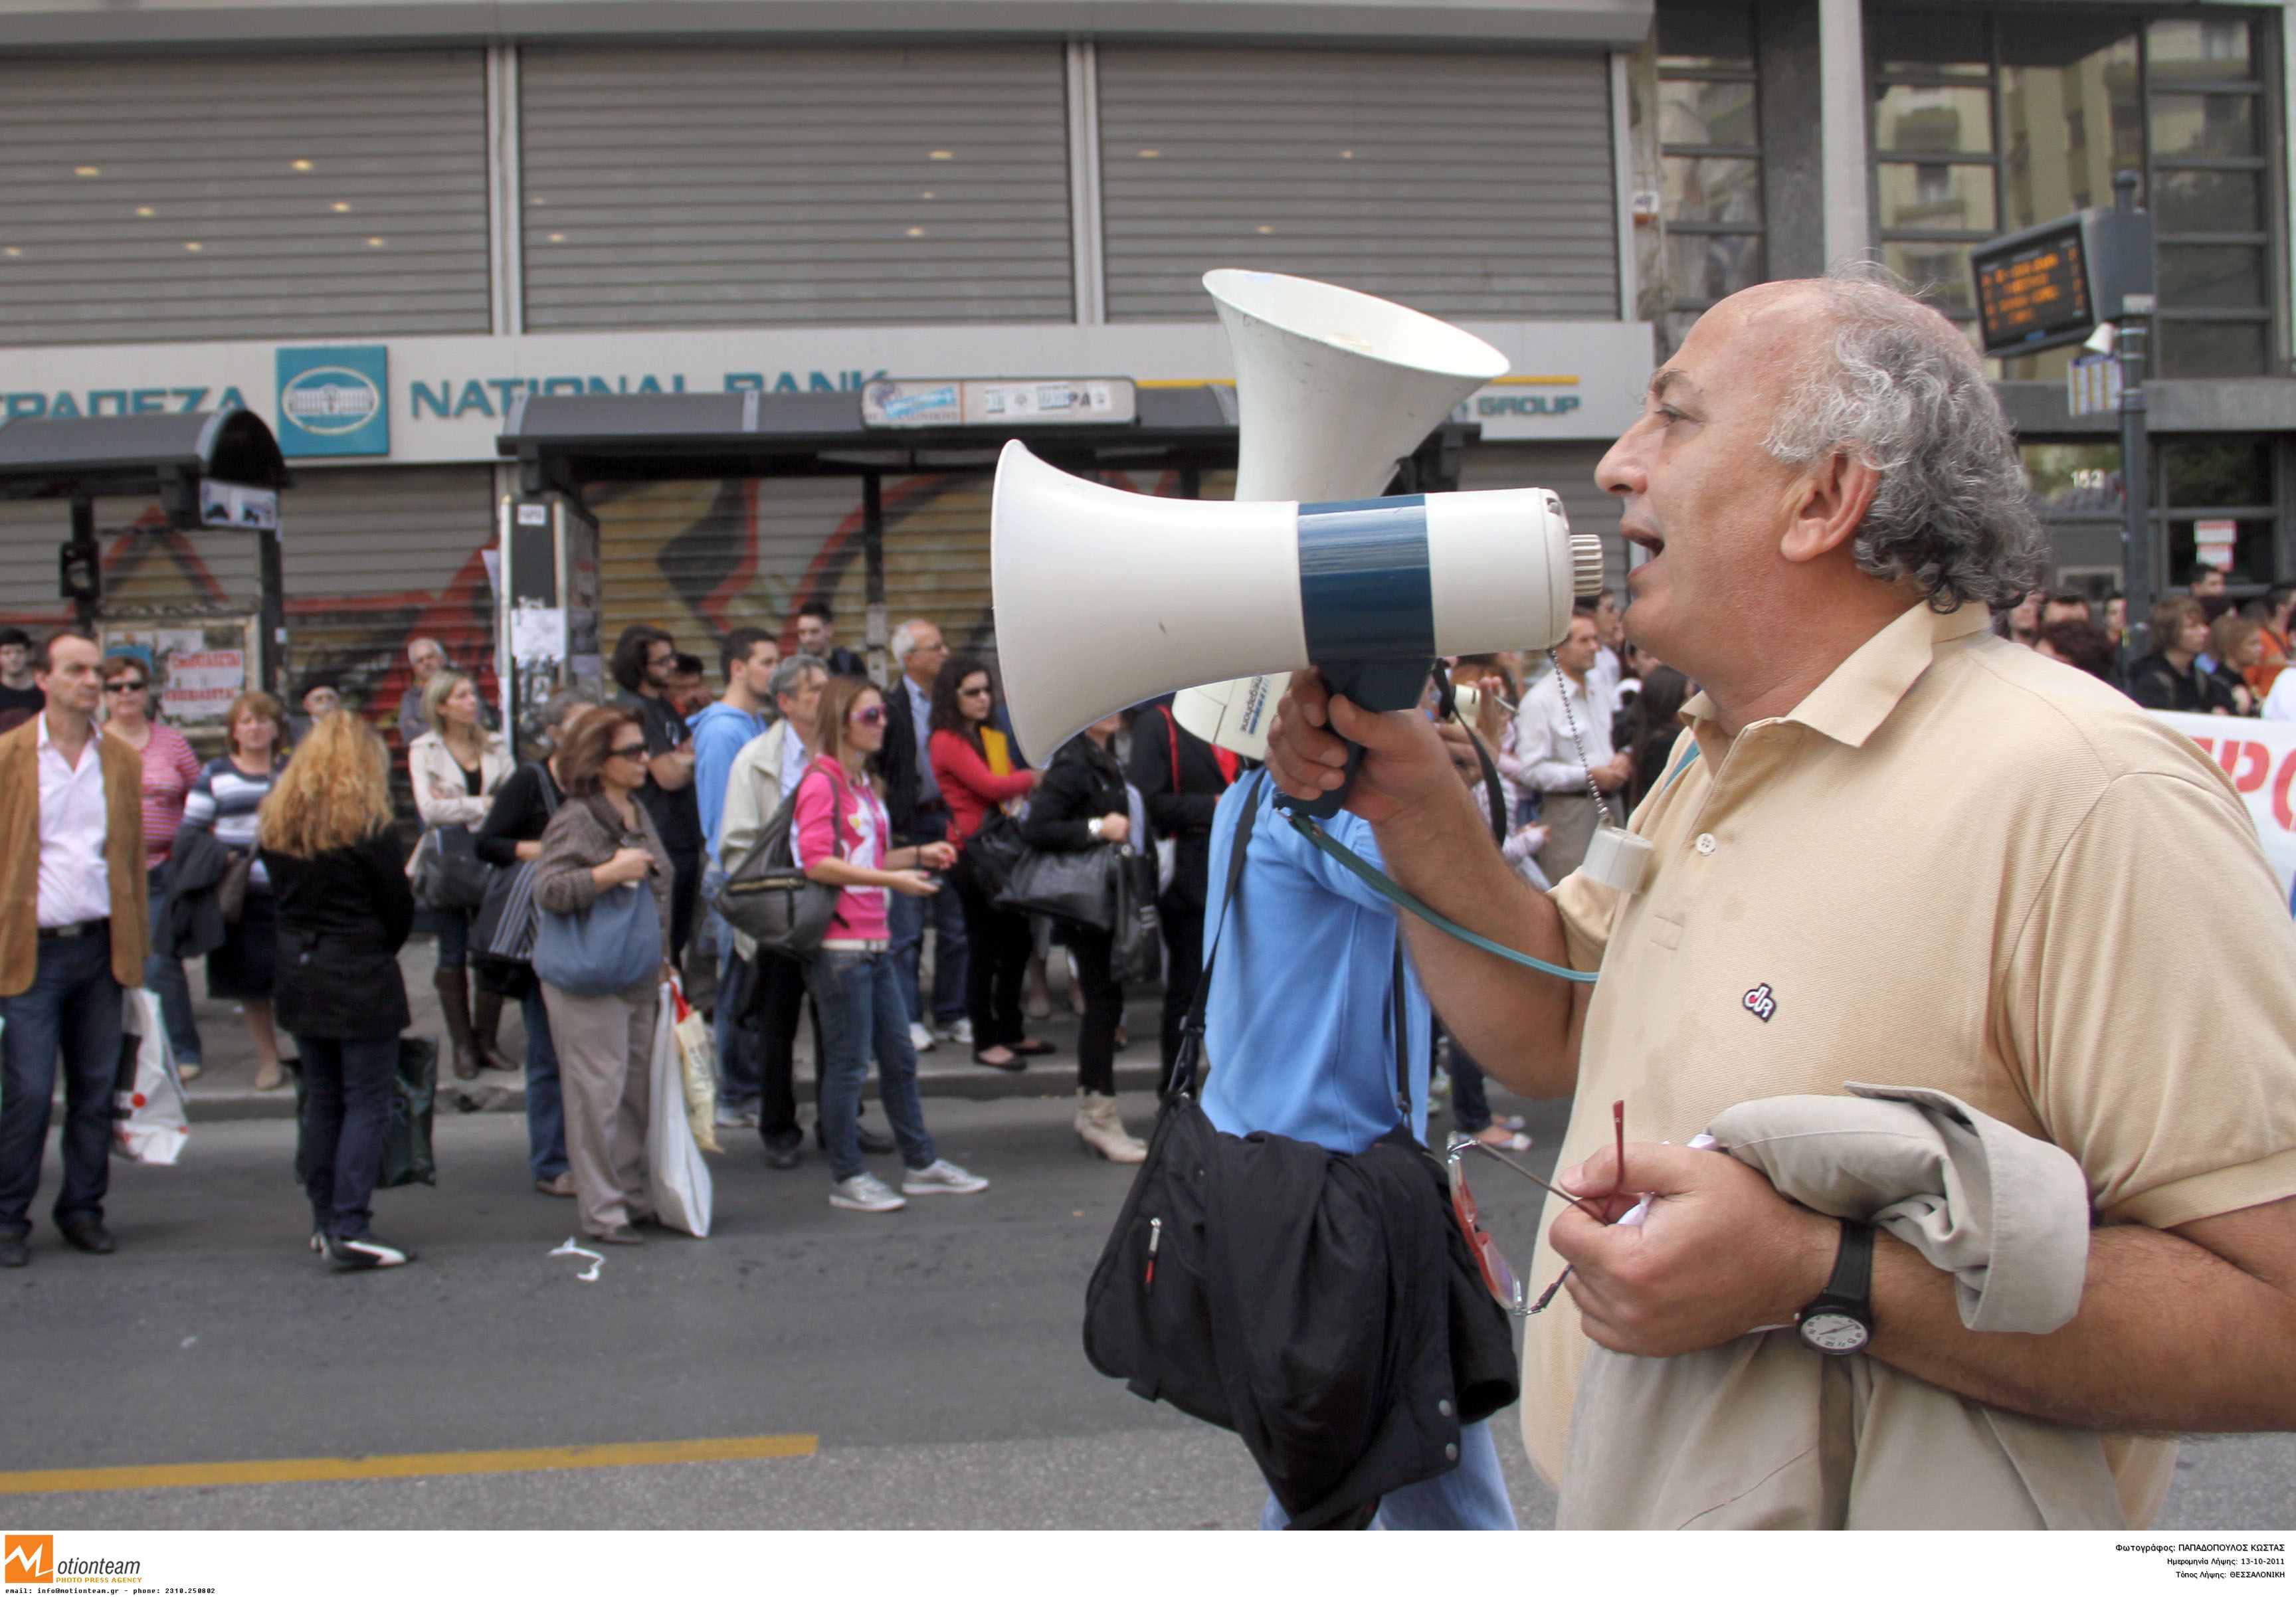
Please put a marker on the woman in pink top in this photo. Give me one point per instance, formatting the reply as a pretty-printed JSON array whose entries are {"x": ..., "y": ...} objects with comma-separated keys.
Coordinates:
[
  {"x": 169, "y": 770},
  {"x": 839, "y": 829}
]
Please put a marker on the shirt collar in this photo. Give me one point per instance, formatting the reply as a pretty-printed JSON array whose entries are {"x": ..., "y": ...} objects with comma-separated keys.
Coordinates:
[{"x": 1851, "y": 703}]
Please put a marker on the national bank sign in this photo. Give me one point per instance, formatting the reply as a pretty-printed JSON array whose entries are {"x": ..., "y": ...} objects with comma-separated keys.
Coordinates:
[{"x": 334, "y": 400}]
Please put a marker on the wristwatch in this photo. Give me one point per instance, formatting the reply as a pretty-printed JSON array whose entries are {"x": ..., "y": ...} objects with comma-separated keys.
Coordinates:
[
  {"x": 1093, "y": 826},
  {"x": 1840, "y": 1320}
]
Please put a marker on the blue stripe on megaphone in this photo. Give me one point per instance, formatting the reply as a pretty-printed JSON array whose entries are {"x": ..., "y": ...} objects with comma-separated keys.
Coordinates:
[{"x": 1365, "y": 593}]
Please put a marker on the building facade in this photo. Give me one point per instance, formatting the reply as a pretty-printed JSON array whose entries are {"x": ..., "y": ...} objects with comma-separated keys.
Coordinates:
[{"x": 377, "y": 224}]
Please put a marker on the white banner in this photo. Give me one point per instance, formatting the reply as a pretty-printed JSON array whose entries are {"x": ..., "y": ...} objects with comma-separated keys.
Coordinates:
[{"x": 2260, "y": 758}]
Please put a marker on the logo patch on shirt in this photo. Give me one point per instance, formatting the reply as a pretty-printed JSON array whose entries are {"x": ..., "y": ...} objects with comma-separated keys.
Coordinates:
[{"x": 1760, "y": 1002}]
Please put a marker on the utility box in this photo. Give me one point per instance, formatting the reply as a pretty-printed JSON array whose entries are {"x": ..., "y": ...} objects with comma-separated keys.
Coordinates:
[{"x": 546, "y": 609}]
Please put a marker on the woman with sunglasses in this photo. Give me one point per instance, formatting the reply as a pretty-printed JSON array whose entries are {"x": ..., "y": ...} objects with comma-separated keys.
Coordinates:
[
  {"x": 974, "y": 763},
  {"x": 840, "y": 830},
  {"x": 602, "y": 838},
  {"x": 169, "y": 770}
]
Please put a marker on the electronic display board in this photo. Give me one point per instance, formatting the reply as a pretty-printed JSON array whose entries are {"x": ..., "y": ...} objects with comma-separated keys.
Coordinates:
[{"x": 2033, "y": 292}]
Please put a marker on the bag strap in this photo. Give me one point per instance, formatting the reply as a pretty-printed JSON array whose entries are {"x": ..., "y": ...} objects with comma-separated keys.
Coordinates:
[
  {"x": 549, "y": 788},
  {"x": 1447, "y": 707},
  {"x": 1402, "y": 1035},
  {"x": 1172, "y": 730},
  {"x": 1182, "y": 1082}
]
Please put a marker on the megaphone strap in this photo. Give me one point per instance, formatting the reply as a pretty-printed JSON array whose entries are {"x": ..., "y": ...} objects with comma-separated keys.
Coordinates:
[{"x": 1379, "y": 883}]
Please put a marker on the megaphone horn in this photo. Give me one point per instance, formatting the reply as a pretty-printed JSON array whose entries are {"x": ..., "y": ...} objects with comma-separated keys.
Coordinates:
[
  {"x": 1332, "y": 388},
  {"x": 1106, "y": 598}
]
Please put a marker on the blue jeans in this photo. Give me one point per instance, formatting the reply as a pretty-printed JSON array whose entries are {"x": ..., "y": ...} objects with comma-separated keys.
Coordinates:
[
  {"x": 345, "y": 1109},
  {"x": 1471, "y": 1104},
  {"x": 73, "y": 1004},
  {"x": 734, "y": 1021},
  {"x": 1471, "y": 1497},
  {"x": 859, "y": 1001},
  {"x": 906, "y": 917},
  {"x": 545, "y": 1110},
  {"x": 165, "y": 977}
]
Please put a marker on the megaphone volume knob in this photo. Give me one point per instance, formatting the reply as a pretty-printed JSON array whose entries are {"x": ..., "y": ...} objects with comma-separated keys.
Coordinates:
[{"x": 1585, "y": 564}]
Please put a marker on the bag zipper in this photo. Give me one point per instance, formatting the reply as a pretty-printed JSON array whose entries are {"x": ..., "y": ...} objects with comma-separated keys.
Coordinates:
[{"x": 1155, "y": 1241}]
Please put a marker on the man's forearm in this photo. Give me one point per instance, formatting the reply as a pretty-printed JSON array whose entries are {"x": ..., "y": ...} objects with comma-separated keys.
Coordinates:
[
  {"x": 1516, "y": 1023},
  {"x": 2170, "y": 1337}
]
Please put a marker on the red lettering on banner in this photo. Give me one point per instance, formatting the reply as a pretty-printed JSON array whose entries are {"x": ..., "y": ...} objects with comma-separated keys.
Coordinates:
[
  {"x": 2247, "y": 764},
  {"x": 2280, "y": 810}
]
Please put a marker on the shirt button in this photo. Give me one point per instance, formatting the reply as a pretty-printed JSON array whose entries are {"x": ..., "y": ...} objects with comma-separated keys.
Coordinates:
[
  {"x": 1444, "y": 1408},
  {"x": 1451, "y": 1451},
  {"x": 1706, "y": 844}
]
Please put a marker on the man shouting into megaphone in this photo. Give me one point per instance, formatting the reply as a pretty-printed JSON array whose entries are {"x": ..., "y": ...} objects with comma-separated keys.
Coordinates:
[{"x": 1892, "y": 848}]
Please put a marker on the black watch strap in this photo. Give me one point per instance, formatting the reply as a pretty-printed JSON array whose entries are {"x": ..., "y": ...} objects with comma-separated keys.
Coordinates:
[{"x": 1852, "y": 1282}]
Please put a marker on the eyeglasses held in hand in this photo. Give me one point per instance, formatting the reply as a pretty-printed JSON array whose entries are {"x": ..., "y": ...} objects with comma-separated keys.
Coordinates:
[{"x": 1499, "y": 1276}]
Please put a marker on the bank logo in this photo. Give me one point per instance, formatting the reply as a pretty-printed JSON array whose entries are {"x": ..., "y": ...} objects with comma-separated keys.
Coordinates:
[
  {"x": 29, "y": 1561},
  {"x": 334, "y": 401}
]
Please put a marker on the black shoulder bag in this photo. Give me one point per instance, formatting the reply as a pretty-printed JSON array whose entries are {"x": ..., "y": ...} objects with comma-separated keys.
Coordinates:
[{"x": 1359, "y": 1250}]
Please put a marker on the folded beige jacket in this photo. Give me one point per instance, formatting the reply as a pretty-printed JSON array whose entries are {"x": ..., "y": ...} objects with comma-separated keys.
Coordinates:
[{"x": 1763, "y": 1433}]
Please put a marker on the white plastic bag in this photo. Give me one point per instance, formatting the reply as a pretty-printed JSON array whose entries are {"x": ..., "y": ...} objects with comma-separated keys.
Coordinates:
[
  {"x": 149, "y": 1121},
  {"x": 678, "y": 1180},
  {"x": 697, "y": 1050}
]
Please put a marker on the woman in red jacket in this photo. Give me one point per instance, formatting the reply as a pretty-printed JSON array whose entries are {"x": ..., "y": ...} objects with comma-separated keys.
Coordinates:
[{"x": 972, "y": 761}]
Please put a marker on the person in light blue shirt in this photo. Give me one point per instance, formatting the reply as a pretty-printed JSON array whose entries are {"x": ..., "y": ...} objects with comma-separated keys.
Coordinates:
[
  {"x": 721, "y": 730},
  {"x": 1300, "y": 1040}
]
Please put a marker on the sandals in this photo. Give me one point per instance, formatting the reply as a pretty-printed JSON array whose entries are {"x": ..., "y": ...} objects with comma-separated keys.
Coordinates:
[
  {"x": 1012, "y": 1061},
  {"x": 1032, "y": 1049}
]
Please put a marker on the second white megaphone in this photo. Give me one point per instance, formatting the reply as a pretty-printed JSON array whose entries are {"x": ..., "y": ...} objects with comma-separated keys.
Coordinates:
[{"x": 1106, "y": 598}]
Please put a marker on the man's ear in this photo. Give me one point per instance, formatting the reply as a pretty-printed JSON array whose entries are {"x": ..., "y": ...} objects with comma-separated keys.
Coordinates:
[{"x": 1827, "y": 505}]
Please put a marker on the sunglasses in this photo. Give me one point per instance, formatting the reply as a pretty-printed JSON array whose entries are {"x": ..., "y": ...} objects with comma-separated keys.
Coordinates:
[
  {"x": 874, "y": 715},
  {"x": 122, "y": 685},
  {"x": 1499, "y": 1276},
  {"x": 626, "y": 751},
  {"x": 979, "y": 693}
]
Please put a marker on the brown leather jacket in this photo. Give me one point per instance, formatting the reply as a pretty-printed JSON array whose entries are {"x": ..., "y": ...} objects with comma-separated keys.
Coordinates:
[{"x": 19, "y": 858}]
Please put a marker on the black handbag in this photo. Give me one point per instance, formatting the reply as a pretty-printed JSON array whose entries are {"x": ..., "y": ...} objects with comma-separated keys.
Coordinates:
[
  {"x": 994, "y": 852},
  {"x": 448, "y": 874},
  {"x": 1136, "y": 949},
  {"x": 1077, "y": 886},
  {"x": 768, "y": 896},
  {"x": 1160, "y": 1315},
  {"x": 504, "y": 928}
]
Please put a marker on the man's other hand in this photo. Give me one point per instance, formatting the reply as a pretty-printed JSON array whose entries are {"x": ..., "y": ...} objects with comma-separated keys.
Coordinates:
[
  {"x": 1403, "y": 759},
  {"x": 1717, "y": 1254}
]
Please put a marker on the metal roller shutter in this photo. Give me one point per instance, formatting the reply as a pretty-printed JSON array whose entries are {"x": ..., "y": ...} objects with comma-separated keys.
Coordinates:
[
  {"x": 749, "y": 186},
  {"x": 1465, "y": 186},
  {"x": 226, "y": 197}
]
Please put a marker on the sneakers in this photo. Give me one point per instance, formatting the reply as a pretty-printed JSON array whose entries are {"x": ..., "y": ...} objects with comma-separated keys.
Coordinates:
[
  {"x": 958, "y": 1031},
  {"x": 734, "y": 1119},
  {"x": 940, "y": 1176},
  {"x": 365, "y": 1253},
  {"x": 920, "y": 1038},
  {"x": 867, "y": 1193}
]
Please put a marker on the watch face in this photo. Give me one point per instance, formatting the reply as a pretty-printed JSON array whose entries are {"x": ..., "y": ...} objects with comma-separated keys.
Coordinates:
[{"x": 1830, "y": 1331}]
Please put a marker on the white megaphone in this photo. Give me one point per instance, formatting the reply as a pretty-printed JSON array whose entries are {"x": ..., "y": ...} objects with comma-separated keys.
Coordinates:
[
  {"x": 1104, "y": 598},
  {"x": 1332, "y": 387}
]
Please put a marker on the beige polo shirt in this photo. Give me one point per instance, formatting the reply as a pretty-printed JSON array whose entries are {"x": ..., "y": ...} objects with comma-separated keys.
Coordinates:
[{"x": 1956, "y": 865}]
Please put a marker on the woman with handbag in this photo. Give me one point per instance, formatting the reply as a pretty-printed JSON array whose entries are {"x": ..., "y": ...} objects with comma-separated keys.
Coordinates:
[
  {"x": 838, "y": 831},
  {"x": 455, "y": 769},
  {"x": 603, "y": 887},
  {"x": 169, "y": 770},
  {"x": 973, "y": 764},
  {"x": 1086, "y": 802},
  {"x": 222, "y": 802},
  {"x": 344, "y": 911},
  {"x": 510, "y": 840}
]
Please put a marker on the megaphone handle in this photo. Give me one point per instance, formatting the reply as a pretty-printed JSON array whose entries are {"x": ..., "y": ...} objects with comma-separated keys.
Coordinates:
[{"x": 1373, "y": 684}]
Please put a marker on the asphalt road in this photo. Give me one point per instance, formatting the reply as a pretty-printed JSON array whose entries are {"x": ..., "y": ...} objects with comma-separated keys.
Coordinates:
[{"x": 933, "y": 1353}]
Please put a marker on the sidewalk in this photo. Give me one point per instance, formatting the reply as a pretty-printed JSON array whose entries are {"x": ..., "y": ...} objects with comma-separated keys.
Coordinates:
[{"x": 226, "y": 1087}]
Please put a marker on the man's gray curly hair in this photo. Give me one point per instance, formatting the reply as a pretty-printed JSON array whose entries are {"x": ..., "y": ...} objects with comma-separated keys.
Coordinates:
[{"x": 1898, "y": 385}]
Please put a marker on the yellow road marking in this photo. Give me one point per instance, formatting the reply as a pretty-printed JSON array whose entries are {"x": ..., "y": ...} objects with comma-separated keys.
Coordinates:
[{"x": 612, "y": 1456}]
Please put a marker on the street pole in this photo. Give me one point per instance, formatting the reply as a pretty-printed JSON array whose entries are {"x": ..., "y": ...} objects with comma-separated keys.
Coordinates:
[{"x": 2136, "y": 490}]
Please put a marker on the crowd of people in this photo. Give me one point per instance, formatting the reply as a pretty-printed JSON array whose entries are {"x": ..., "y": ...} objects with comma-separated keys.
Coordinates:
[{"x": 2208, "y": 654}]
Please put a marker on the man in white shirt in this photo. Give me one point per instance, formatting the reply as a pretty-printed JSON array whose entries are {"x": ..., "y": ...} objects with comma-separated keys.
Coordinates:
[
  {"x": 73, "y": 934},
  {"x": 1609, "y": 670},
  {"x": 1565, "y": 698},
  {"x": 920, "y": 815}
]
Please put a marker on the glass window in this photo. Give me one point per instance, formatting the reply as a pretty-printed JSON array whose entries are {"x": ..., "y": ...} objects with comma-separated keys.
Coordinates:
[
  {"x": 2210, "y": 276},
  {"x": 2233, "y": 472},
  {"x": 1702, "y": 111},
  {"x": 1705, "y": 36},
  {"x": 1704, "y": 267},
  {"x": 2209, "y": 349},
  {"x": 2071, "y": 115},
  {"x": 1920, "y": 119},
  {"x": 2252, "y": 552},
  {"x": 1712, "y": 189},
  {"x": 1935, "y": 198},
  {"x": 2206, "y": 125},
  {"x": 2073, "y": 479},
  {"x": 2210, "y": 51},
  {"x": 2208, "y": 202},
  {"x": 1929, "y": 43},
  {"x": 1938, "y": 274}
]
